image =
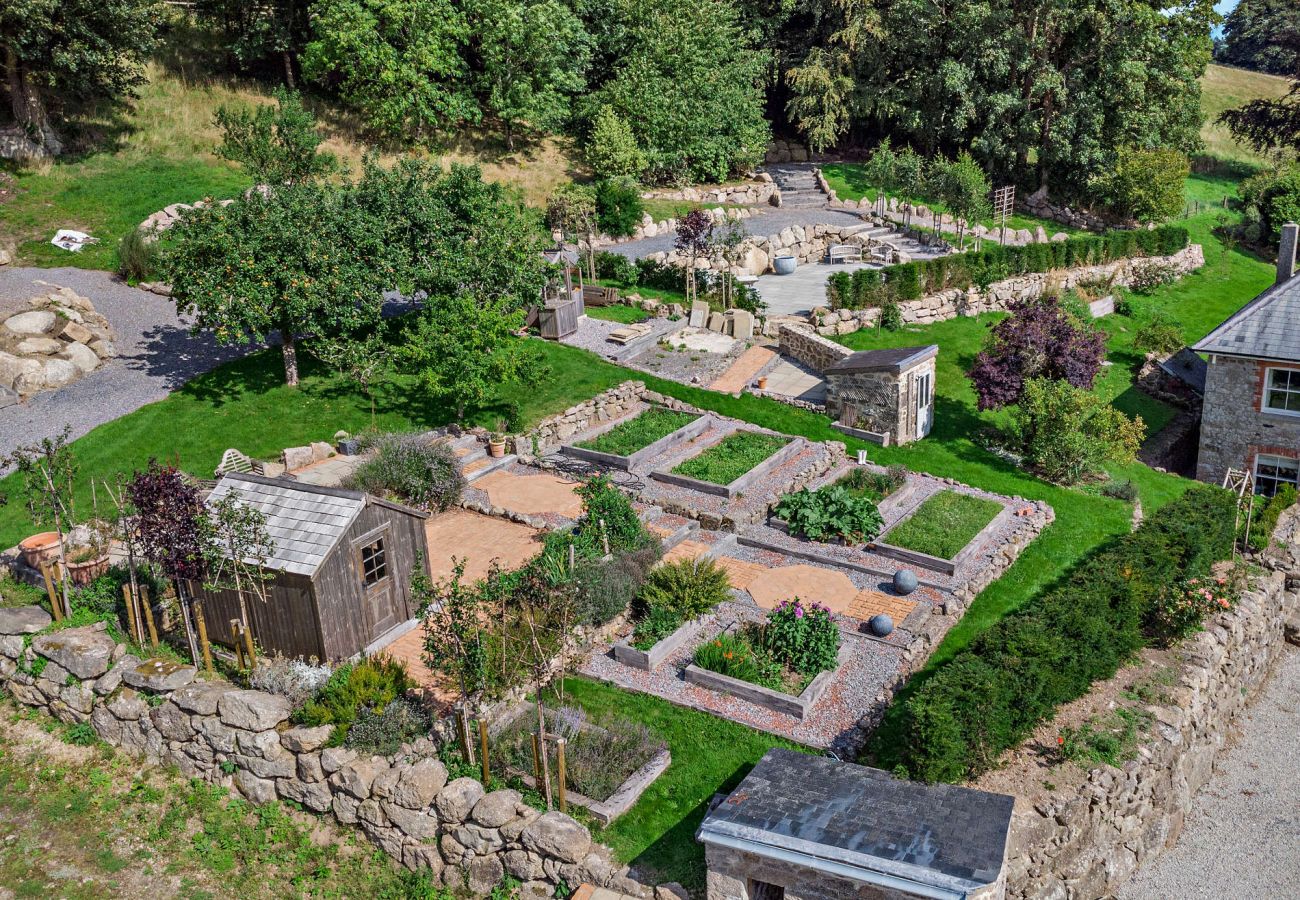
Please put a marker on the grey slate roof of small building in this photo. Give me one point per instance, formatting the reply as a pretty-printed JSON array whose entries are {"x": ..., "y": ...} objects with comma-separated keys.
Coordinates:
[
  {"x": 1187, "y": 367},
  {"x": 1267, "y": 327},
  {"x": 304, "y": 521},
  {"x": 894, "y": 359},
  {"x": 824, "y": 810}
]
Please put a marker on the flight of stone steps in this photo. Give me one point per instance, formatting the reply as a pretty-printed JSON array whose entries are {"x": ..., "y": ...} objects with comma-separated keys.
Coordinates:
[{"x": 798, "y": 186}]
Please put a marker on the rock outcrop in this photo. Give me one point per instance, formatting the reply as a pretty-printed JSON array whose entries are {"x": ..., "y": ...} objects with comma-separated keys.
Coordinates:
[{"x": 59, "y": 338}]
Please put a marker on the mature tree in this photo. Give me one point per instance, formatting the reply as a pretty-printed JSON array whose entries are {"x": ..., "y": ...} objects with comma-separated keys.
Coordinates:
[
  {"x": 611, "y": 149},
  {"x": 299, "y": 259},
  {"x": 571, "y": 210},
  {"x": 275, "y": 145},
  {"x": 399, "y": 63},
  {"x": 821, "y": 102},
  {"x": 268, "y": 32},
  {"x": 1040, "y": 339},
  {"x": 1263, "y": 35},
  {"x": 463, "y": 348},
  {"x": 532, "y": 56},
  {"x": 361, "y": 357},
  {"x": 1147, "y": 185},
  {"x": 690, "y": 83},
  {"x": 1271, "y": 198},
  {"x": 58, "y": 54}
]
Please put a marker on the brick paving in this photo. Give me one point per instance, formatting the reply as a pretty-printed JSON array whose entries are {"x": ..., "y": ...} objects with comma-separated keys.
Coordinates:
[
  {"x": 807, "y": 582},
  {"x": 870, "y": 603},
  {"x": 688, "y": 550},
  {"x": 532, "y": 494},
  {"x": 741, "y": 573},
  {"x": 741, "y": 372},
  {"x": 478, "y": 539}
]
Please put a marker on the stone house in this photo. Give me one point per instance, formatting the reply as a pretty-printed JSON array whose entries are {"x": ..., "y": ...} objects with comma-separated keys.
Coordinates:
[
  {"x": 1250, "y": 419},
  {"x": 803, "y": 827},
  {"x": 889, "y": 392}
]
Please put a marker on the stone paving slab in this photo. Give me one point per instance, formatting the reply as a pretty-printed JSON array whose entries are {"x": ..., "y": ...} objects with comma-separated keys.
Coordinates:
[
  {"x": 790, "y": 378},
  {"x": 741, "y": 372}
]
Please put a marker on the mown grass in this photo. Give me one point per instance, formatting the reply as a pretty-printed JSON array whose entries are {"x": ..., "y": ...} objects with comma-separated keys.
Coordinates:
[
  {"x": 618, "y": 313},
  {"x": 641, "y": 432},
  {"x": 943, "y": 524},
  {"x": 732, "y": 457}
]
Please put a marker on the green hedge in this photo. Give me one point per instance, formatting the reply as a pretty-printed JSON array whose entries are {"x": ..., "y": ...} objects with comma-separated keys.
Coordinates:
[
  {"x": 868, "y": 288},
  {"x": 1050, "y": 651}
]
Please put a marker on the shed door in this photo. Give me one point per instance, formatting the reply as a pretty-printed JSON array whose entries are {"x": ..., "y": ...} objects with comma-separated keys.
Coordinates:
[
  {"x": 375, "y": 569},
  {"x": 924, "y": 403}
]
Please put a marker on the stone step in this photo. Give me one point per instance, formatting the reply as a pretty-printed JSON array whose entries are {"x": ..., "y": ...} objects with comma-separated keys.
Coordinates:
[{"x": 485, "y": 464}]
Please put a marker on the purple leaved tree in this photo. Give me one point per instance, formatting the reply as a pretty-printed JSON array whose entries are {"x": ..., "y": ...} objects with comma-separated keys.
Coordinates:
[
  {"x": 694, "y": 239},
  {"x": 1040, "y": 339}
]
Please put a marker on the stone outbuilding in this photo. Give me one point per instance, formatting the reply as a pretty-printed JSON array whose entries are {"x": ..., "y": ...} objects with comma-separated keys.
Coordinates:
[
  {"x": 806, "y": 827},
  {"x": 1250, "y": 419},
  {"x": 888, "y": 392},
  {"x": 803, "y": 827}
]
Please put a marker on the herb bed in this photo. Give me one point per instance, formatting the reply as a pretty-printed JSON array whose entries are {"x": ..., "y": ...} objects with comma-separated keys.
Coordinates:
[
  {"x": 943, "y": 524},
  {"x": 638, "y": 433},
  {"x": 732, "y": 457}
]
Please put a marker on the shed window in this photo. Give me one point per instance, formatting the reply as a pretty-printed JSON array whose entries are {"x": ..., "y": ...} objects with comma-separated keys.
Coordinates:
[
  {"x": 1282, "y": 393},
  {"x": 1271, "y": 472},
  {"x": 374, "y": 563}
]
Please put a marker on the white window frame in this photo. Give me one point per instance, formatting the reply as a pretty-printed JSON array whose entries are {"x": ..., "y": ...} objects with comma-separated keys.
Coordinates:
[
  {"x": 1294, "y": 388},
  {"x": 1272, "y": 459}
]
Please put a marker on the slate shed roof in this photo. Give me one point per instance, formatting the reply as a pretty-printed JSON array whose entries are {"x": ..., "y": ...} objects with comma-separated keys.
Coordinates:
[
  {"x": 305, "y": 520},
  {"x": 895, "y": 359},
  {"x": 862, "y": 823},
  {"x": 1267, "y": 327}
]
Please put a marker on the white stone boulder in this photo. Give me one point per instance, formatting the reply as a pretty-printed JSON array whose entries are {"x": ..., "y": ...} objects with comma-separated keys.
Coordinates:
[
  {"x": 55, "y": 373},
  {"x": 36, "y": 321},
  {"x": 82, "y": 357},
  {"x": 38, "y": 346}
]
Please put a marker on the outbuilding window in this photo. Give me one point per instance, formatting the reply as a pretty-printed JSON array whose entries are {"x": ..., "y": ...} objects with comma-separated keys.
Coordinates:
[
  {"x": 1271, "y": 472},
  {"x": 374, "y": 563},
  {"x": 1282, "y": 391}
]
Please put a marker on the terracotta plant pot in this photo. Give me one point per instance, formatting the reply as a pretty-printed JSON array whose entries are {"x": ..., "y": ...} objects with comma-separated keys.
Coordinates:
[
  {"x": 83, "y": 573},
  {"x": 39, "y": 548},
  {"x": 762, "y": 383},
  {"x": 496, "y": 449}
]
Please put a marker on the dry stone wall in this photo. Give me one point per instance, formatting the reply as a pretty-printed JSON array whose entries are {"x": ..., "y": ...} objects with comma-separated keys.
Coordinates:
[
  {"x": 761, "y": 190},
  {"x": 1085, "y": 841},
  {"x": 406, "y": 804},
  {"x": 813, "y": 350},
  {"x": 612, "y": 404}
]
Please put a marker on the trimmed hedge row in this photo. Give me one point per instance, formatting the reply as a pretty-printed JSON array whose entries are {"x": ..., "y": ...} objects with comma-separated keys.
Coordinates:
[
  {"x": 1050, "y": 651},
  {"x": 868, "y": 288}
]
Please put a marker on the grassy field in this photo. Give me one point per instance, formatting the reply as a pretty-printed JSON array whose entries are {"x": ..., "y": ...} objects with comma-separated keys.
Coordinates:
[
  {"x": 1223, "y": 88},
  {"x": 618, "y": 313},
  {"x": 943, "y": 524}
]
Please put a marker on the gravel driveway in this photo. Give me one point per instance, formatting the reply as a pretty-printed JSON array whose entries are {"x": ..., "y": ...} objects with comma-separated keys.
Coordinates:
[
  {"x": 1242, "y": 836},
  {"x": 157, "y": 355}
]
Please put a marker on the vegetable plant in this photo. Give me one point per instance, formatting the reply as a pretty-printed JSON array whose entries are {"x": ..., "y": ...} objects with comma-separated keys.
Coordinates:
[{"x": 830, "y": 512}]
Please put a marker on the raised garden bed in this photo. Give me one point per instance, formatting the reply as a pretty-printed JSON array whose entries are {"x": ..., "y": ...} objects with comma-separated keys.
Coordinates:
[
  {"x": 649, "y": 659},
  {"x": 643, "y": 759},
  {"x": 731, "y": 465},
  {"x": 631, "y": 442},
  {"x": 941, "y": 532}
]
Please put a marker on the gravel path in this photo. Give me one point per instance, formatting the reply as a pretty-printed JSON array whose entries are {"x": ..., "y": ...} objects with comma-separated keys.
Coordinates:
[
  {"x": 1242, "y": 837},
  {"x": 762, "y": 225},
  {"x": 157, "y": 355}
]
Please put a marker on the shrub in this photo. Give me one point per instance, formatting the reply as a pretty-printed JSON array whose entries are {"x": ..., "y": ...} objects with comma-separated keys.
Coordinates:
[
  {"x": 612, "y": 149},
  {"x": 137, "y": 258},
  {"x": 1179, "y": 612},
  {"x": 873, "y": 485},
  {"x": 408, "y": 468},
  {"x": 839, "y": 290},
  {"x": 1147, "y": 185},
  {"x": 1012, "y": 676},
  {"x": 1271, "y": 199},
  {"x": 1159, "y": 334},
  {"x": 1147, "y": 275},
  {"x": 1124, "y": 490},
  {"x": 294, "y": 679},
  {"x": 607, "y": 511},
  {"x": 1266, "y": 516},
  {"x": 385, "y": 729},
  {"x": 830, "y": 512},
  {"x": 686, "y": 588},
  {"x": 372, "y": 684},
  {"x": 656, "y": 624},
  {"x": 803, "y": 637},
  {"x": 618, "y": 206},
  {"x": 616, "y": 267},
  {"x": 606, "y": 588},
  {"x": 1068, "y": 433},
  {"x": 891, "y": 315}
]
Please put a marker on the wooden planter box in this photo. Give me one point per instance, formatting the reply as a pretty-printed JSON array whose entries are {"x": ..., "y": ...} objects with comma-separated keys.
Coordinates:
[
  {"x": 799, "y": 707},
  {"x": 935, "y": 563},
  {"x": 559, "y": 318},
  {"x": 649, "y": 660},
  {"x": 741, "y": 484},
  {"x": 685, "y": 433}
]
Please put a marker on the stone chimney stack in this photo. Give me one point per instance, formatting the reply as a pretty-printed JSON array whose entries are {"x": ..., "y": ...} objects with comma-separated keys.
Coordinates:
[{"x": 1287, "y": 251}]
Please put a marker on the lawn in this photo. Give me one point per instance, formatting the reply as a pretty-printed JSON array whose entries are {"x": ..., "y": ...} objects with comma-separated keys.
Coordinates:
[
  {"x": 627, "y": 315},
  {"x": 654, "y": 293},
  {"x": 660, "y": 210},
  {"x": 943, "y": 524},
  {"x": 1223, "y": 88},
  {"x": 732, "y": 457},
  {"x": 641, "y": 432}
]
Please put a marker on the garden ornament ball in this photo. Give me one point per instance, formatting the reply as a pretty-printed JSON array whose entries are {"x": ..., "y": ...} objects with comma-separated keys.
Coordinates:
[
  {"x": 881, "y": 625},
  {"x": 905, "y": 581}
]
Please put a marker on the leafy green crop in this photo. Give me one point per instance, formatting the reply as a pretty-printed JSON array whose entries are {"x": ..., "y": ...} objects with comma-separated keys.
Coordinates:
[{"x": 830, "y": 512}]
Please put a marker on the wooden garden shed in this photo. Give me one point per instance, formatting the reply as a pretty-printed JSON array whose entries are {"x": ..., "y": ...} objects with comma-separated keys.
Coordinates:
[{"x": 341, "y": 569}]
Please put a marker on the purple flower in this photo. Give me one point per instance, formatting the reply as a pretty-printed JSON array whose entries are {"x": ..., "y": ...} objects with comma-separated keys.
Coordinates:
[{"x": 798, "y": 612}]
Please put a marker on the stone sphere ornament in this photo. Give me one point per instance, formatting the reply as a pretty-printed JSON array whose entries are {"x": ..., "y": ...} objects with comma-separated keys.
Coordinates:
[
  {"x": 905, "y": 581},
  {"x": 881, "y": 625}
]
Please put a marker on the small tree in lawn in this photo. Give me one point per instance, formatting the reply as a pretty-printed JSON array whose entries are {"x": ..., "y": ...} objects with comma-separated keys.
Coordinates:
[
  {"x": 694, "y": 238},
  {"x": 237, "y": 546},
  {"x": 169, "y": 525},
  {"x": 48, "y": 471},
  {"x": 1040, "y": 339},
  {"x": 363, "y": 358},
  {"x": 572, "y": 211},
  {"x": 275, "y": 145},
  {"x": 463, "y": 350}
]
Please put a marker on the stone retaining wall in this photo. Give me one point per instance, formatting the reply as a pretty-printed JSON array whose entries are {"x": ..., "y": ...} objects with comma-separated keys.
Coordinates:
[
  {"x": 813, "y": 350},
  {"x": 1085, "y": 841},
  {"x": 406, "y": 804},
  {"x": 761, "y": 190},
  {"x": 607, "y": 406},
  {"x": 1038, "y": 205}
]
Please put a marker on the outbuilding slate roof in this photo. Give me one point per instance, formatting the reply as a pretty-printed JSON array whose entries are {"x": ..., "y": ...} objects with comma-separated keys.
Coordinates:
[
  {"x": 864, "y": 823},
  {"x": 305, "y": 521},
  {"x": 1267, "y": 327},
  {"x": 894, "y": 359}
]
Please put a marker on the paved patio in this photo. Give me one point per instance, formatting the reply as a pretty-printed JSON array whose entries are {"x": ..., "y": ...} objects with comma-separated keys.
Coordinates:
[
  {"x": 531, "y": 494},
  {"x": 477, "y": 539},
  {"x": 801, "y": 290},
  {"x": 741, "y": 373},
  {"x": 791, "y": 378}
]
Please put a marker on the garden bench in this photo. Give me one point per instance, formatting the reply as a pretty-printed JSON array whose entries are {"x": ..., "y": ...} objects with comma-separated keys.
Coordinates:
[
  {"x": 844, "y": 253},
  {"x": 882, "y": 254},
  {"x": 595, "y": 295},
  {"x": 235, "y": 461}
]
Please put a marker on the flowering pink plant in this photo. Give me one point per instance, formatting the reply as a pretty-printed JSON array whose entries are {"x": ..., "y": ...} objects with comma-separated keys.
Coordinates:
[
  {"x": 1183, "y": 610},
  {"x": 803, "y": 636}
]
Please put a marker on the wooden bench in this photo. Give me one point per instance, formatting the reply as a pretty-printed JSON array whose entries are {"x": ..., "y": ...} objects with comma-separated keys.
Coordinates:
[
  {"x": 844, "y": 253},
  {"x": 595, "y": 295}
]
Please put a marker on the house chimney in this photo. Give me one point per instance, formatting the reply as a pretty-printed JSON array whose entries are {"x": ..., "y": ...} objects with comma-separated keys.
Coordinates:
[{"x": 1286, "y": 252}]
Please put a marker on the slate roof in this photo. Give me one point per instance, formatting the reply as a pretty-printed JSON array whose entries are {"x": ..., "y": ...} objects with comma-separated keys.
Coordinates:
[
  {"x": 895, "y": 359},
  {"x": 1187, "y": 367},
  {"x": 852, "y": 820},
  {"x": 1267, "y": 327},
  {"x": 305, "y": 521}
]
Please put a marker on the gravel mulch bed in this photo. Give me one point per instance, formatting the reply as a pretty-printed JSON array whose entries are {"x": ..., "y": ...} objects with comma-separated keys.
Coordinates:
[
  {"x": 593, "y": 335},
  {"x": 684, "y": 366},
  {"x": 833, "y": 723}
]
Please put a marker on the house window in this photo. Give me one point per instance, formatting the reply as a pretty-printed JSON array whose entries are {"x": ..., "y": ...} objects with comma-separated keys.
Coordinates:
[
  {"x": 374, "y": 563},
  {"x": 1282, "y": 393},
  {"x": 1271, "y": 472}
]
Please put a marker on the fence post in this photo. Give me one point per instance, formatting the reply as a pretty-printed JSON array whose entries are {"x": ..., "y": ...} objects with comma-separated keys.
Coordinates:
[
  {"x": 55, "y": 608},
  {"x": 201, "y": 624},
  {"x": 483, "y": 741},
  {"x": 537, "y": 761},
  {"x": 129, "y": 599},
  {"x": 148, "y": 618},
  {"x": 559, "y": 775}
]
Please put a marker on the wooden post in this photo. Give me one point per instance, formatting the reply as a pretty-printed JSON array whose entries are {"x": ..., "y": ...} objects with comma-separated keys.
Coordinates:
[
  {"x": 55, "y": 607},
  {"x": 604, "y": 536},
  {"x": 129, "y": 599},
  {"x": 239, "y": 647},
  {"x": 537, "y": 760},
  {"x": 202, "y": 626},
  {"x": 560, "y": 775},
  {"x": 148, "y": 618},
  {"x": 248, "y": 646},
  {"x": 462, "y": 731},
  {"x": 483, "y": 742}
]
